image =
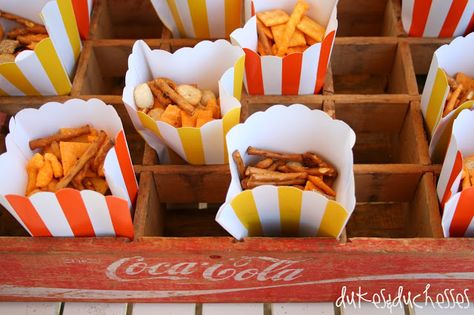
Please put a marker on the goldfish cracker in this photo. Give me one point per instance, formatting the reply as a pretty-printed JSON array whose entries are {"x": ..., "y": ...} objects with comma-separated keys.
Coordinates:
[{"x": 172, "y": 116}]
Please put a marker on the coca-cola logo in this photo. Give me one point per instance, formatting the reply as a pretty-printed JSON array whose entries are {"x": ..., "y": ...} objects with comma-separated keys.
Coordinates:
[{"x": 237, "y": 269}]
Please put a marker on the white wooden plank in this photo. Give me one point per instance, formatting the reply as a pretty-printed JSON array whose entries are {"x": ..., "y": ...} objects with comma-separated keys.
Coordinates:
[
  {"x": 371, "y": 309},
  {"x": 302, "y": 309},
  {"x": 232, "y": 309},
  {"x": 95, "y": 308},
  {"x": 33, "y": 308},
  {"x": 163, "y": 309},
  {"x": 444, "y": 310}
]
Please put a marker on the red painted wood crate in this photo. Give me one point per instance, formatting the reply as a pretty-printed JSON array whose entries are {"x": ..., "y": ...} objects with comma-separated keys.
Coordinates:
[{"x": 180, "y": 253}]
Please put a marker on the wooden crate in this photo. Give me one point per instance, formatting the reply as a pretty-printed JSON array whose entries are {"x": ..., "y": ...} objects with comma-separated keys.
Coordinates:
[{"x": 180, "y": 254}]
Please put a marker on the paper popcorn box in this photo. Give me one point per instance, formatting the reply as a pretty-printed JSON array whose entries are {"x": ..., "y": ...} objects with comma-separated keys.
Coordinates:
[
  {"x": 83, "y": 12},
  {"x": 68, "y": 212},
  {"x": 295, "y": 74},
  {"x": 48, "y": 69},
  {"x": 458, "y": 204},
  {"x": 273, "y": 211},
  {"x": 452, "y": 58},
  {"x": 217, "y": 66},
  {"x": 200, "y": 18},
  {"x": 437, "y": 18}
]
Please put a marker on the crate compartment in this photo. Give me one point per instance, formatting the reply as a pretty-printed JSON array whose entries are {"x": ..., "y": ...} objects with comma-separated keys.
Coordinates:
[
  {"x": 422, "y": 51},
  {"x": 366, "y": 18},
  {"x": 390, "y": 196},
  {"x": 103, "y": 69},
  {"x": 388, "y": 129},
  {"x": 369, "y": 66},
  {"x": 410, "y": 212},
  {"x": 125, "y": 19}
]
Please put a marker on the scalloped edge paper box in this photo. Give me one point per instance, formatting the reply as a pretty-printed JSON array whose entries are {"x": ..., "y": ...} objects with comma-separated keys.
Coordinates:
[
  {"x": 458, "y": 205},
  {"x": 69, "y": 212},
  {"x": 452, "y": 58},
  {"x": 295, "y": 74},
  {"x": 437, "y": 18},
  {"x": 200, "y": 18},
  {"x": 272, "y": 210},
  {"x": 49, "y": 68},
  {"x": 217, "y": 66}
]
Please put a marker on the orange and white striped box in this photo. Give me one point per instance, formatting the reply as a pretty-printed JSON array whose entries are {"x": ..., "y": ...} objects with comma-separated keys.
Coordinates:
[
  {"x": 438, "y": 18},
  {"x": 48, "y": 69},
  {"x": 295, "y": 74},
  {"x": 83, "y": 12},
  {"x": 281, "y": 210},
  {"x": 217, "y": 66},
  {"x": 448, "y": 59},
  {"x": 69, "y": 212},
  {"x": 200, "y": 18},
  {"x": 458, "y": 210}
]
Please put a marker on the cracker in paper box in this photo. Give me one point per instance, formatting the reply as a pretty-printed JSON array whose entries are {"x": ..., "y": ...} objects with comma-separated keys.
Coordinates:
[
  {"x": 59, "y": 48},
  {"x": 199, "y": 19},
  {"x": 264, "y": 72},
  {"x": 271, "y": 210},
  {"x": 452, "y": 60},
  {"x": 437, "y": 18},
  {"x": 67, "y": 212},
  {"x": 194, "y": 80},
  {"x": 455, "y": 185}
]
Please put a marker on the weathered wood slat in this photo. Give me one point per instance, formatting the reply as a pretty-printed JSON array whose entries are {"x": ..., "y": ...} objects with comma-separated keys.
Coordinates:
[
  {"x": 232, "y": 309},
  {"x": 302, "y": 309},
  {"x": 163, "y": 309},
  {"x": 30, "y": 308},
  {"x": 371, "y": 309},
  {"x": 94, "y": 308}
]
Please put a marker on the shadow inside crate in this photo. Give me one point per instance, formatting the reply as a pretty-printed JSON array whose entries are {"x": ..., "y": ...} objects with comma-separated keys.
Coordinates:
[
  {"x": 369, "y": 66},
  {"x": 125, "y": 19}
]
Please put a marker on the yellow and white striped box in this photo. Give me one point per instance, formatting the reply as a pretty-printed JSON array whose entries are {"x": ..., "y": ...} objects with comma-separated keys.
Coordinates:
[
  {"x": 200, "y": 18},
  {"x": 216, "y": 66},
  {"x": 448, "y": 59},
  {"x": 283, "y": 210},
  {"x": 49, "y": 68}
]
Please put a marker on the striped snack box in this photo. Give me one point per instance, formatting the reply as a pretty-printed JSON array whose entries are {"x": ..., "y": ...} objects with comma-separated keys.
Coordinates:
[
  {"x": 295, "y": 74},
  {"x": 69, "y": 212},
  {"x": 438, "y": 18},
  {"x": 217, "y": 66},
  {"x": 83, "y": 12},
  {"x": 458, "y": 210},
  {"x": 48, "y": 69},
  {"x": 448, "y": 59},
  {"x": 200, "y": 18},
  {"x": 281, "y": 210}
]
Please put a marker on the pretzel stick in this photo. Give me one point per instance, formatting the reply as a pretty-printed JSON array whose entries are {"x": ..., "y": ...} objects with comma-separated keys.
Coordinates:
[
  {"x": 265, "y": 163},
  {"x": 262, "y": 37},
  {"x": 89, "y": 154},
  {"x": 317, "y": 171},
  {"x": 102, "y": 153},
  {"x": 162, "y": 99},
  {"x": 452, "y": 101},
  {"x": 312, "y": 159},
  {"x": 18, "y": 19},
  {"x": 277, "y": 177},
  {"x": 250, "y": 170},
  {"x": 466, "y": 182},
  {"x": 37, "y": 29},
  {"x": 319, "y": 183},
  {"x": 252, "y": 184},
  {"x": 275, "y": 155},
  {"x": 240, "y": 164},
  {"x": 178, "y": 99},
  {"x": 72, "y": 133}
]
